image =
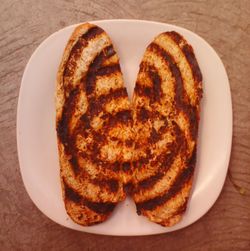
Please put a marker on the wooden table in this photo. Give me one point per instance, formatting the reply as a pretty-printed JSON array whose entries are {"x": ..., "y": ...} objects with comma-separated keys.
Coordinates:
[{"x": 224, "y": 24}]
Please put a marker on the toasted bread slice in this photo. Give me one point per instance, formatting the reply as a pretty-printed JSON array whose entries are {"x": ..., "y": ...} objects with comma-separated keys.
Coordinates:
[
  {"x": 93, "y": 121},
  {"x": 166, "y": 104}
]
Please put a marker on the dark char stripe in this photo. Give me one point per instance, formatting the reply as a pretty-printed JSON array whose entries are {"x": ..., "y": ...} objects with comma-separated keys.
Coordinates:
[
  {"x": 92, "y": 32},
  {"x": 142, "y": 114},
  {"x": 63, "y": 130},
  {"x": 96, "y": 104},
  {"x": 95, "y": 66},
  {"x": 108, "y": 70},
  {"x": 124, "y": 116},
  {"x": 156, "y": 93},
  {"x": 151, "y": 181},
  {"x": 76, "y": 50},
  {"x": 189, "y": 54},
  {"x": 109, "y": 184},
  {"x": 73, "y": 57},
  {"x": 182, "y": 178},
  {"x": 179, "y": 89},
  {"x": 175, "y": 36},
  {"x": 63, "y": 123},
  {"x": 143, "y": 91},
  {"x": 98, "y": 207},
  {"x": 163, "y": 162},
  {"x": 180, "y": 93}
]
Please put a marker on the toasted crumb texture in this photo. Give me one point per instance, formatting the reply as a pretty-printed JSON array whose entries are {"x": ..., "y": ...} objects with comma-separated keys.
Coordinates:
[
  {"x": 93, "y": 122},
  {"x": 166, "y": 106}
]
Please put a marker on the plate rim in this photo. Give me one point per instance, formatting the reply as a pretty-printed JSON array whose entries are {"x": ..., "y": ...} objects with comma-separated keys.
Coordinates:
[{"x": 19, "y": 107}]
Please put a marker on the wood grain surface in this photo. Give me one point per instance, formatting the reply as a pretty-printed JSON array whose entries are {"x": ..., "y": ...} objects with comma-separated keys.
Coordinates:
[{"x": 24, "y": 24}]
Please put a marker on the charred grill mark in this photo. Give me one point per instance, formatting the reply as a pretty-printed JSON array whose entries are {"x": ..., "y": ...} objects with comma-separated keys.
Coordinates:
[
  {"x": 74, "y": 164},
  {"x": 110, "y": 184},
  {"x": 143, "y": 114},
  {"x": 154, "y": 136},
  {"x": 189, "y": 54},
  {"x": 98, "y": 207},
  {"x": 180, "y": 93},
  {"x": 109, "y": 69},
  {"x": 149, "y": 182},
  {"x": 96, "y": 103},
  {"x": 63, "y": 130},
  {"x": 85, "y": 121},
  {"x": 106, "y": 53},
  {"x": 109, "y": 51},
  {"x": 180, "y": 181},
  {"x": 126, "y": 166},
  {"x": 142, "y": 161},
  {"x": 91, "y": 33},
  {"x": 193, "y": 118},
  {"x": 156, "y": 93},
  {"x": 76, "y": 50},
  {"x": 192, "y": 160},
  {"x": 156, "y": 84},
  {"x": 175, "y": 36},
  {"x": 164, "y": 160},
  {"x": 143, "y": 91},
  {"x": 128, "y": 188},
  {"x": 73, "y": 57},
  {"x": 124, "y": 116},
  {"x": 99, "y": 137},
  {"x": 63, "y": 123},
  {"x": 71, "y": 194}
]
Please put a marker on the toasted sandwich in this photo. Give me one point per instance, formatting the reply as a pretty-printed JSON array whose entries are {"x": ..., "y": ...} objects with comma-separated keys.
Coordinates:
[
  {"x": 166, "y": 107},
  {"x": 93, "y": 122}
]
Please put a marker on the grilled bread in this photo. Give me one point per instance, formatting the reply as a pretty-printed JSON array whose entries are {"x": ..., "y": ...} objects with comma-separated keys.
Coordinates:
[
  {"x": 93, "y": 121},
  {"x": 166, "y": 104}
]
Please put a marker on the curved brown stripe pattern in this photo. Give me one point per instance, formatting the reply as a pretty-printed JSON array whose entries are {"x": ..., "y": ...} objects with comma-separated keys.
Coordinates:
[
  {"x": 175, "y": 166},
  {"x": 76, "y": 50},
  {"x": 92, "y": 107},
  {"x": 162, "y": 162},
  {"x": 96, "y": 104},
  {"x": 92, "y": 32},
  {"x": 189, "y": 53},
  {"x": 182, "y": 178},
  {"x": 62, "y": 125},
  {"x": 152, "y": 72},
  {"x": 95, "y": 66},
  {"x": 180, "y": 93},
  {"x": 181, "y": 99},
  {"x": 98, "y": 207}
]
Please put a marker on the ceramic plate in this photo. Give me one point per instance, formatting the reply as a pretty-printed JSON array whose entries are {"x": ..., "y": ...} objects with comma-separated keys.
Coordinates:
[{"x": 36, "y": 135}]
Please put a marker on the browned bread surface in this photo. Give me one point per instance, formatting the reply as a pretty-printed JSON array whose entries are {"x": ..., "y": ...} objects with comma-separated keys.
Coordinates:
[
  {"x": 93, "y": 121},
  {"x": 166, "y": 104}
]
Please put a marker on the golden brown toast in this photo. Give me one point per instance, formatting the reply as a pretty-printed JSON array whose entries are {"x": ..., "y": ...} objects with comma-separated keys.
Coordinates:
[
  {"x": 166, "y": 104},
  {"x": 93, "y": 120}
]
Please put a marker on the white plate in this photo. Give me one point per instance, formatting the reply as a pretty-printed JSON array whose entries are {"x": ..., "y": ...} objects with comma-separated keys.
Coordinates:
[{"x": 36, "y": 135}]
